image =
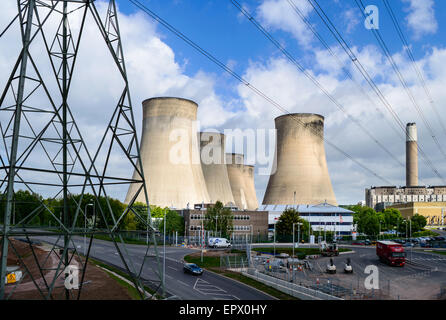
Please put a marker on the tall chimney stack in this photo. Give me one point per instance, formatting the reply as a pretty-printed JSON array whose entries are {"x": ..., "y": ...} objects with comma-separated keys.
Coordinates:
[{"x": 411, "y": 155}]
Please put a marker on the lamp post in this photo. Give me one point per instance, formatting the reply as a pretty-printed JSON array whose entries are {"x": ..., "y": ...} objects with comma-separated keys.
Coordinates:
[
  {"x": 275, "y": 236},
  {"x": 85, "y": 226},
  {"x": 298, "y": 234},
  {"x": 164, "y": 253},
  {"x": 216, "y": 222}
]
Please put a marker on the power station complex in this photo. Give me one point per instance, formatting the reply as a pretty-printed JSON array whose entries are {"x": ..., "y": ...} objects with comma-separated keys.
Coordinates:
[
  {"x": 412, "y": 198},
  {"x": 188, "y": 170}
]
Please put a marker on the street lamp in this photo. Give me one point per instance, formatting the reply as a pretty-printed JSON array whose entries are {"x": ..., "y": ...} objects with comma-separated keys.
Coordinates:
[
  {"x": 298, "y": 234},
  {"x": 85, "y": 226},
  {"x": 164, "y": 253},
  {"x": 216, "y": 222}
]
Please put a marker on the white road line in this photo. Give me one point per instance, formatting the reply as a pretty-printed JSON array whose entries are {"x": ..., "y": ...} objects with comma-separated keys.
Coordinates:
[
  {"x": 183, "y": 283},
  {"x": 173, "y": 268},
  {"x": 213, "y": 289}
]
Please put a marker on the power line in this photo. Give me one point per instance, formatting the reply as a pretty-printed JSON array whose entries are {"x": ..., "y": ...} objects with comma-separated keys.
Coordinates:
[
  {"x": 245, "y": 82},
  {"x": 334, "y": 31},
  {"x": 309, "y": 76},
  {"x": 386, "y": 51},
  {"x": 413, "y": 62},
  {"x": 340, "y": 63}
]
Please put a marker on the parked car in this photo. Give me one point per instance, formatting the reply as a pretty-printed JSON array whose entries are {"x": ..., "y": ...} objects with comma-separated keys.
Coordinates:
[{"x": 192, "y": 268}]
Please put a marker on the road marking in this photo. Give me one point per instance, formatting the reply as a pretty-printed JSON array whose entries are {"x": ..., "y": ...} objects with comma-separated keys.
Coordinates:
[
  {"x": 200, "y": 283},
  {"x": 173, "y": 268},
  {"x": 183, "y": 283}
]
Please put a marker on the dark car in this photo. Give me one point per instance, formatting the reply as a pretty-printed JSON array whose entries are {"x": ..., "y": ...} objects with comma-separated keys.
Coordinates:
[{"x": 192, "y": 268}]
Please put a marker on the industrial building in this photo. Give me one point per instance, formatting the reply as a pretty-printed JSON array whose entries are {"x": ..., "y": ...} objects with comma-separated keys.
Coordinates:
[
  {"x": 253, "y": 224},
  {"x": 411, "y": 198},
  {"x": 435, "y": 212},
  {"x": 301, "y": 175},
  {"x": 322, "y": 217},
  {"x": 384, "y": 196}
]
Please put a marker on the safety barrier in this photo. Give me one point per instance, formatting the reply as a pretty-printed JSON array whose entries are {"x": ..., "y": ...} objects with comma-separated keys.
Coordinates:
[{"x": 292, "y": 289}]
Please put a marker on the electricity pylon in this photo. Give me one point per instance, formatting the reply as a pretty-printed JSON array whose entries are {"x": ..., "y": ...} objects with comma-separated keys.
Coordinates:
[{"x": 43, "y": 149}]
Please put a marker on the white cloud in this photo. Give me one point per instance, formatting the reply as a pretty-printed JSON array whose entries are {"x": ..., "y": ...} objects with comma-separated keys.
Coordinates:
[
  {"x": 152, "y": 70},
  {"x": 279, "y": 15},
  {"x": 421, "y": 17},
  {"x": 280, "y": 80}
]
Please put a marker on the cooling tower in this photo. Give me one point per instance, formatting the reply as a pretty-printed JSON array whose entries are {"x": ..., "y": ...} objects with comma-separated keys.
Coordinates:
[
  {"x": 212, "y": 150},
  {"x": 234, "y": 165},
  {"x": 301, "y": 175},
  {"x": 170, "y": 154},
  {"x": 411, "y": 155},
  {"x": 250, "y": 190}
]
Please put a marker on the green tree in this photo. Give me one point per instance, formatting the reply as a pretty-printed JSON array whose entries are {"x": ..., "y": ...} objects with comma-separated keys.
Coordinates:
[
  {"x": 174, "y": 222},
  {"x": 218, "y": 218},
  {"x": 418, "y": 222},
  {"x": 392, "y": 218},
  {"x": 368, "y": 221},
  {"x": 284, "y": 227}
]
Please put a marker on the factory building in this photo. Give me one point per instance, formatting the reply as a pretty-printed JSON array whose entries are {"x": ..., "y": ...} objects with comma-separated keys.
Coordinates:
[
  {"x": 412, "y": 198},
  {"x": 381, "y": 197},
  {"x": 251, "y": 223},
  {"x": 321, "y": 217},
  {"x": 435, "y": 212}
]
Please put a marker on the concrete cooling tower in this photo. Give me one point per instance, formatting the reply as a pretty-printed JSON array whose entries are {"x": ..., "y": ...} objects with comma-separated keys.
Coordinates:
[
  {"x": 170, "y": 154},
  {"x": 241, "y": 178},
  {"x": 250, "y": 189},
  {"x": 301, "y": 175},
  {"x": 212, "y": 150}
]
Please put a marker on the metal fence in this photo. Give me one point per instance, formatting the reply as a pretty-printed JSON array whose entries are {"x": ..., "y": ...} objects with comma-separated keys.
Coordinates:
[{"x": 295, "y": 290}]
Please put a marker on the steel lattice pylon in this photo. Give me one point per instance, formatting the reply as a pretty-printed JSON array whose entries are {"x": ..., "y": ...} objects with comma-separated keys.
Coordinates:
[{"x": 48, "y": 131}]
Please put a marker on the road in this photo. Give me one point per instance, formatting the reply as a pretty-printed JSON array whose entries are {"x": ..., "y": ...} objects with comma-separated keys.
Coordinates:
[
  {"x": 209, "y": 286},
  {"x": 422, "y": 277}
]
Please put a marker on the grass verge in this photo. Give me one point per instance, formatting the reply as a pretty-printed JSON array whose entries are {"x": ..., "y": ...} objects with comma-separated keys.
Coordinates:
[
  {"x": 132, "y": 289},
  {"x": 439, "y": 252}
]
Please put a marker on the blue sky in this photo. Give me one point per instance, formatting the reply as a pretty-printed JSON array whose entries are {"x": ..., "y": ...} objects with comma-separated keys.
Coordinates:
[
  {"x": 218, "y": 27},
  {"x": 160, "y": 64}
]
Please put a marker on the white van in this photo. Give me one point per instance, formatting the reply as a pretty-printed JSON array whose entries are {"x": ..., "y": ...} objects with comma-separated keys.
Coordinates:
[
  {"x": 220, "y": 243},
  {"x": 211, "y": 241}
]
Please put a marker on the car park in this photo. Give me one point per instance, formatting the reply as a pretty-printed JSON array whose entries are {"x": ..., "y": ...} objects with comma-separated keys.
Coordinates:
[{"x": 192, "y": 268}]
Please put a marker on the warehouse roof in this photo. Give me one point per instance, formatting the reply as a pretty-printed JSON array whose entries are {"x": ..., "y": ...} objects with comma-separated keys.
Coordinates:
[{"x": 319, "y": 208}]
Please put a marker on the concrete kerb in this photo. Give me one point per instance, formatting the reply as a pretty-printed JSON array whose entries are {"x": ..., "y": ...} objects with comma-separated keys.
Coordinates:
[
  {"x": 148, "y": 295},
  {"x": 239, "y": 282}
]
